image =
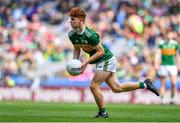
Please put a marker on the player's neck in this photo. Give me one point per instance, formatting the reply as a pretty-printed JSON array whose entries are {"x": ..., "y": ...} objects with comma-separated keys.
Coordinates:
[{"x": 80, "y": 30}]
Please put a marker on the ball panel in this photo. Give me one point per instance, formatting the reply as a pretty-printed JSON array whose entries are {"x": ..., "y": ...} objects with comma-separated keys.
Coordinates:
[{"x": 74, "y": 67}]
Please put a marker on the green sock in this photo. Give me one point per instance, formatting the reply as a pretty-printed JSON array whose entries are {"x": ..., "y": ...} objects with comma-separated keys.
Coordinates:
[
  {"x": 102, "y": 110},
  {"x": 172, "y": 95},
  {"x": 141, "y": 85},
  {"x": 161, "y": 97}
]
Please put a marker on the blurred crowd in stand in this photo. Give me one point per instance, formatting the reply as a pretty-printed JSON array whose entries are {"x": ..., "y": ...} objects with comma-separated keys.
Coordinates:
[{"x": 34, "y": 35}]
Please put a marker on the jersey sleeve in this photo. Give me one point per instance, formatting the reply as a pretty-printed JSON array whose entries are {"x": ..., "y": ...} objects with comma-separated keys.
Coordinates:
[
  {"x": 160, "y": 44},
  {"x": 94, "y": 39},
  {"x": 70, "y": 36},
  {"x": 177, "y": 46}
]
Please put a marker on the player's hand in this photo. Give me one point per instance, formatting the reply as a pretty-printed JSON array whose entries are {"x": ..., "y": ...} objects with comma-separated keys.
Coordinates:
[{"x": 83, "y": 66}]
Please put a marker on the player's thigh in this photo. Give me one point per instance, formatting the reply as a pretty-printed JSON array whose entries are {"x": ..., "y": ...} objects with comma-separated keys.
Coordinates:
[
  {"x": 172, "y": 70},
  {"x": 104, "y": 69},
  {"x": 107, "y": 65},
  {"x": 173, "y": 79},
  {"x": 99, "y": 77},
  {"x": 163, "y": 71},
  {"x": 112, "y": 81},
  {"x": 163, "y": 80}
]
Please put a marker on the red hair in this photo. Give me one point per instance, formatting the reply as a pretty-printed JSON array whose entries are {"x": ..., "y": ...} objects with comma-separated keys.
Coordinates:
[{"x": 77, "y": 12}]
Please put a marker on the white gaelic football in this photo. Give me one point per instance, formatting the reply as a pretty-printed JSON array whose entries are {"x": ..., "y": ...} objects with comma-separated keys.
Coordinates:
[{"x": 74, "y": 67}]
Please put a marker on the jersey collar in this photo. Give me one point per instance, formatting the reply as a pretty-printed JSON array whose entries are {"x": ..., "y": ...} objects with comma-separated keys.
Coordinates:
[{"x": 82, "y": 31}]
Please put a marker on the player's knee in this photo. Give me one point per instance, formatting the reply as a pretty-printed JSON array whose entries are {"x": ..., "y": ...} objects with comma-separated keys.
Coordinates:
[
  {"x": 173, "y": 84},
  {"x": 93, "y": 87},
  {"x": 116, "y": 90}
]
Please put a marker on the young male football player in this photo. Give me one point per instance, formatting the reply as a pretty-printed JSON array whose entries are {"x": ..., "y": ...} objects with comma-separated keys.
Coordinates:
[
  {"x": 88, "y": 40},
  {"x": 166, "y": 63}
]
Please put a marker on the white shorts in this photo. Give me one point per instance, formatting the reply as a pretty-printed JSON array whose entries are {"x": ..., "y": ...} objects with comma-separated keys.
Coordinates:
[
  {"x": 108, "y": 65},
  {"x": 166, "y": 70}
]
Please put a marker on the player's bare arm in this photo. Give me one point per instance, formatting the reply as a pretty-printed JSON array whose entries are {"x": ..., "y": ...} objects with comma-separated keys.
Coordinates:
[
  {"x": 177, "y": 58},
  {"x": 157, "y": 61},
  {"x": 100, "y": 52},
  {"x": 76, "y": 51}
]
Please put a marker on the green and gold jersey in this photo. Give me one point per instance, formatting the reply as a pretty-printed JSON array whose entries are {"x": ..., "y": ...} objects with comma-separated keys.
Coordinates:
[
  {"x": 87, "y": 41},
  {"x": 168, "y": 51}
]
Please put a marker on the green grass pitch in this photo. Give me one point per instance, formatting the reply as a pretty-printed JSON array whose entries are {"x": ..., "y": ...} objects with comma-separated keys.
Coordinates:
[{"x": 20, "y": 111}]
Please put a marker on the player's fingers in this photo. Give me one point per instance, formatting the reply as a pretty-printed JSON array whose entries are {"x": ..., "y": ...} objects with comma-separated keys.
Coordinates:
[{"x": 83, "y": 68}]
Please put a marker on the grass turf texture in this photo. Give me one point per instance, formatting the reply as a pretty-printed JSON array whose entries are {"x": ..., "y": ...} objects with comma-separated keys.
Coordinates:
[{"x": 18, "y": 111}]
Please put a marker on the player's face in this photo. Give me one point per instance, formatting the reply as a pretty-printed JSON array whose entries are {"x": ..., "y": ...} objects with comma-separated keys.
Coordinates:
[
  {"x": 171, "y": 35},
  {"x": 75, "y": 22}
]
